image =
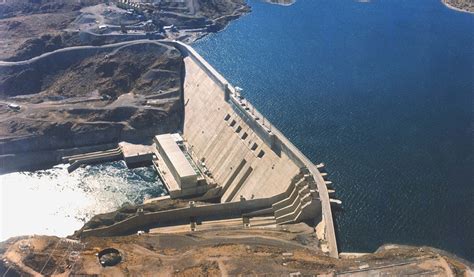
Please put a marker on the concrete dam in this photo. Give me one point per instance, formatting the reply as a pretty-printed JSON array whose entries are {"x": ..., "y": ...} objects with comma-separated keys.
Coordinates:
[
  {"x": 230, "y": 152},
  {"x": 247, "y": 156},
  {"x": 225, "y": 152}
]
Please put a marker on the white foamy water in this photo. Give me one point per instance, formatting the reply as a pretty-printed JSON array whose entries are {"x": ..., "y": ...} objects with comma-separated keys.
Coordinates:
[{"x": 54, "y": 202}]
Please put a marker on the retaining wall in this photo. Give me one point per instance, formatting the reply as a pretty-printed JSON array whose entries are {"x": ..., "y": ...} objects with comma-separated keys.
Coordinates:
[{"x": 154, "y": 219}]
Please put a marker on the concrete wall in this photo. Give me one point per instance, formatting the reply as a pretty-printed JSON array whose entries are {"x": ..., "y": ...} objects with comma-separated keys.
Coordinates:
[
  {"x": 181, "y": 215},
  {"x": 236, "y": 150},
  {"x": 296, "y": 204}
]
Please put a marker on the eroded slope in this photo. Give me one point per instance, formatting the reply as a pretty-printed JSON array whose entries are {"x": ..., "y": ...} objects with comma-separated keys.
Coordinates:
[{"x": 89, "y": 95}]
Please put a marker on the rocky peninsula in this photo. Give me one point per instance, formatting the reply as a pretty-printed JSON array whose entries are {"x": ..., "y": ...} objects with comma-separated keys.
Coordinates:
[{"x": 460, "y": 5}]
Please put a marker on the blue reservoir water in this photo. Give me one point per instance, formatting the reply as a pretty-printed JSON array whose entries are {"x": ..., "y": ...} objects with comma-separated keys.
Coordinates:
[
  {"x": 382, "y": 93},
  {"x": 54, "y": 202}
]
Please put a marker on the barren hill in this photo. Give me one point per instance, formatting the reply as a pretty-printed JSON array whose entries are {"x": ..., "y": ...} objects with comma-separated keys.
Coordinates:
[{"x": 90, "y": 95}]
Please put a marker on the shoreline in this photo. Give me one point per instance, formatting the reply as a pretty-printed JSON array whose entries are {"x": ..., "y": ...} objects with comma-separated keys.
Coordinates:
[{"x": 451, "y": 7}]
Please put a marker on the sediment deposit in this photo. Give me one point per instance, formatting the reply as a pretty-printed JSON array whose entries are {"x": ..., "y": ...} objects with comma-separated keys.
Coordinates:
[{"x": 281, "y": 2}]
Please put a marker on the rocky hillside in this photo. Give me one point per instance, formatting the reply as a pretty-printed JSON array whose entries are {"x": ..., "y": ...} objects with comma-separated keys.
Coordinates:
[
  {"x": 31, "y": 28},
  {"x": 90, "y": 95},
  {"x": 16, "y": 8}
]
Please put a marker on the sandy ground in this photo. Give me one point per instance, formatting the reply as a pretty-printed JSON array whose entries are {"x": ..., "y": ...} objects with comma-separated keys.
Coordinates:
[{"x": 221, "y": 252}]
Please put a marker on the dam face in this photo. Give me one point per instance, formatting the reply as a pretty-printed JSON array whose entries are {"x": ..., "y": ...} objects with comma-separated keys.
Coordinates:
[
  {"x": 247, "y": 156},
  {"x": 238, "y": 158}
]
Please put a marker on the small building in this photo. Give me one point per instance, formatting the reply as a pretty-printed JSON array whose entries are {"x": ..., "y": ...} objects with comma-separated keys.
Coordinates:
[
  {"x": 171, "y": 28},
  {"x": 14, "y": 106}
]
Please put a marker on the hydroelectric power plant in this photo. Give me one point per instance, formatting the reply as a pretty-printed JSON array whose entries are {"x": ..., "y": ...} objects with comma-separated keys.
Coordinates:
[
  {"x": 124, "y": 153},
  {"x": 227, "y": 153}
]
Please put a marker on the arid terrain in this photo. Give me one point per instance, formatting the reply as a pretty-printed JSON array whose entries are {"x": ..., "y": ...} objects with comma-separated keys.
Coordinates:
[
  {"x": 83, "y": 96},
  {"x": 23, "y": 24},
  {"x": 279, "y": 251},
  {"x": 28, "y": 30}
]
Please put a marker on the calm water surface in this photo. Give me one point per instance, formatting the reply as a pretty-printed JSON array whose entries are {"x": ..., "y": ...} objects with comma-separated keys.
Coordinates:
[
  {"x": 382, "y": 92},
  {"x": 54, "y": 202}
]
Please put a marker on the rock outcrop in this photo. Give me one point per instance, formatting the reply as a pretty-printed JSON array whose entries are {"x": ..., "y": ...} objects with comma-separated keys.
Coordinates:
[{"x": 85, "y": 96}]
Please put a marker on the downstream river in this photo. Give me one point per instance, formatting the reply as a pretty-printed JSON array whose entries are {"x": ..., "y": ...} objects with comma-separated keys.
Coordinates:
[
  {"x": 382, "y": 93},
  {"x": 54, "y": 202}
]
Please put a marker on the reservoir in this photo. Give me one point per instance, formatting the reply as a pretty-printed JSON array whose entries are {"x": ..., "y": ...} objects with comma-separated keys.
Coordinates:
[{"x": 382, "y": 93}]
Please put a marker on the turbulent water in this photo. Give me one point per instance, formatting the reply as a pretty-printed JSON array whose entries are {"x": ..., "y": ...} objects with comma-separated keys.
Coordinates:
[
  {"x": 55, "y": 202},
  {"x": 380, "y": 91}
]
